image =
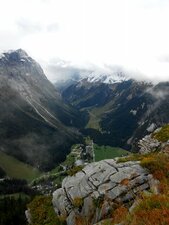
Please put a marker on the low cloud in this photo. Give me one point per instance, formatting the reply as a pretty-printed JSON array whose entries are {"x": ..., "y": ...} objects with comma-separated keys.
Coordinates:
[
  {"x": 164, "y": 58},
  {"x": 160, "y": 92},
  {"x": 131, "y": 34},
  {"x": 60, "y": 70},
  {"x": 27, "y": 26},
  {"x": 52, "y": 27}
]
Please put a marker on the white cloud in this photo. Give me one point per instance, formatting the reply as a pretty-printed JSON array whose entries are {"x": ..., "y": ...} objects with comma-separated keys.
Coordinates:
[{"x": 131, "y": 33}]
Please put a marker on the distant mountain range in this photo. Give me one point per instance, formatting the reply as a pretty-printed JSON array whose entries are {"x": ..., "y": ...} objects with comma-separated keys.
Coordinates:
[
  {"x": 39, "y": 122},
  {"x": 120, "y": 110}
]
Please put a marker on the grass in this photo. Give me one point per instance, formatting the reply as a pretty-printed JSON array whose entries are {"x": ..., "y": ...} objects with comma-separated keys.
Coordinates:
[
  {"x": 74, "y": 170},
  {"x": 94, "y": 121},
  {"x": 108, "y": 152},
  {"x": 163, "y": 134},
  {"x": 17, "y": 169},
  {"x": 131, "y": 157},
  {"x": 96, "y": 114}
]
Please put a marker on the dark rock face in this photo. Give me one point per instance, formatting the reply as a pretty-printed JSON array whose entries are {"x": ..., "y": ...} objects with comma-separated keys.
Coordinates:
[
  {"x": 93, "y": 192},
  {"x": 35, "y": 125},
  {"x": 125, "y": 111}
]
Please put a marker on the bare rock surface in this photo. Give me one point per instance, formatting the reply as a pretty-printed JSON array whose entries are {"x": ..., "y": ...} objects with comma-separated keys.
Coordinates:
[
  {"x": 148, "y": 144},
  {"x": 95, "y": 190}
]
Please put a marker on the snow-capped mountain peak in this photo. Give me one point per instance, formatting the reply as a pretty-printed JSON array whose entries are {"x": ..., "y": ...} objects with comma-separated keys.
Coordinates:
[{"x": 116, "y": 77}]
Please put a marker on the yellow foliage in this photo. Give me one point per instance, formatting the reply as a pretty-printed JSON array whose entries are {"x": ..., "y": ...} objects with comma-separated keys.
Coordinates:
[{"x": 77, "y": 202}]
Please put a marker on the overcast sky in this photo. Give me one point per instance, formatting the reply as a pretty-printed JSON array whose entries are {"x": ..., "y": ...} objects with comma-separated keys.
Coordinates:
[{"x": 67, "y": 34}]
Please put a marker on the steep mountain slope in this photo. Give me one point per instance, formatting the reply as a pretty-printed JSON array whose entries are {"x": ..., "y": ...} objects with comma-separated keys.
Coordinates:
[
  {"x": 121, "y": 112},
  {"x": 33, "y": 119}
]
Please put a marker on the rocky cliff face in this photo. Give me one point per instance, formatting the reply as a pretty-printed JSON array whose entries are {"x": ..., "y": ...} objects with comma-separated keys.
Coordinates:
[{"x": 92, "y": 193}]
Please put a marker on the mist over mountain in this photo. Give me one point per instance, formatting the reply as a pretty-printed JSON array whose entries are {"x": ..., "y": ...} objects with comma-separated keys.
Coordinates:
[
  {"x": 120, "y": 110},
  {"x": 39, "y": 123},
  {"x": 84, "y": 112},
  {"x": 36, "y": 126}
]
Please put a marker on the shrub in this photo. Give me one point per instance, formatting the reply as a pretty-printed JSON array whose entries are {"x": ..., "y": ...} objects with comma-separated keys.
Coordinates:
[
  {"x": 98, "y": 202},
  {"x": 74, "y": 170},
  {"x": 77, "y": 202},
  {"x": 42, "y": 212},
  {"x": 151, "y": 210},
  {"x": 158, "y": 165},
  {"x": 119, "y": 214}
]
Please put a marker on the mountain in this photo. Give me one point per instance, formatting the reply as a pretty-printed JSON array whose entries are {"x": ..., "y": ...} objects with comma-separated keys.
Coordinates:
[
  {"x": 116, "y": 77},
  {"x": 35, "y": 125},
  {"x": 90, "y": 76},
  {"x": 120, "y": 110}
]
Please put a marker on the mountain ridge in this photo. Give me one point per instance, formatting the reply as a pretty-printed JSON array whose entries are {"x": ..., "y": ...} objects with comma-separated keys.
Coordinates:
[
  {"x": 119, "y": 113},
  {"x": 34, "y": 110}
]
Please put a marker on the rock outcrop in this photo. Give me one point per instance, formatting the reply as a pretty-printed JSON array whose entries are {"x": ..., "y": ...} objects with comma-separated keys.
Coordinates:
[
  {"x": 93, "y": 192},
  {"x": 148, "y": 144}
]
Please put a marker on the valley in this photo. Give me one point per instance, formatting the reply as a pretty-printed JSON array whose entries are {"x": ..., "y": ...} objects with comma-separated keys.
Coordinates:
[
  {"x": 84, "y": 112},
  {"x": 73, "y": 134}
]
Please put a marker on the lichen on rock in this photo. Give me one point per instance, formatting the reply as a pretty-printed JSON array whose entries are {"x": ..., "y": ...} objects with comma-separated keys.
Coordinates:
[{"x": 99, "y": 187}]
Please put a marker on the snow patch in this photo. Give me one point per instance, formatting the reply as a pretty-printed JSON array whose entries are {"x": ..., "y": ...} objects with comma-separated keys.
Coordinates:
[
  {"x": 22, "y": 60},
  {"x": 134, "y": 112},
  {"x": 2, "y": 55}
]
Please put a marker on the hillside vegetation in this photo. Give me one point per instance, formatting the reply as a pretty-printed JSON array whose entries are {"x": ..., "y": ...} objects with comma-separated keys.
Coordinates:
[
  {"x": 17, "y": 169},
  {"x": 151, "y": 207},
  {"x": 108, "y": 152},
  {"x": 163, "y": 134}
]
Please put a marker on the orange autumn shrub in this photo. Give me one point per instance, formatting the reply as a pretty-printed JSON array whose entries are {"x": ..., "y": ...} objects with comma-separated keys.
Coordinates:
[
  {"x": 80, "y": 221},
  {"x": 119, "y": 214},
  {"x": 157, "y": 164},
  {"x": 152, "y": 210},
  {"x": 151, "y": 217}
]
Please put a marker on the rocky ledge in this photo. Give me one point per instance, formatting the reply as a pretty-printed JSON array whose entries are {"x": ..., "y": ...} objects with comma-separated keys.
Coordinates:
[
  {"x": 93, "y": 192},
  {"x": 148, "y": 144}
]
